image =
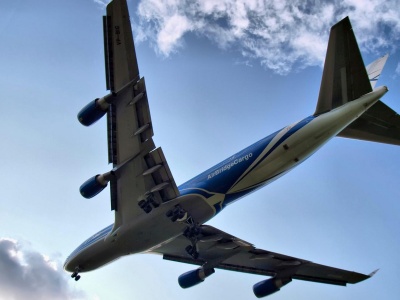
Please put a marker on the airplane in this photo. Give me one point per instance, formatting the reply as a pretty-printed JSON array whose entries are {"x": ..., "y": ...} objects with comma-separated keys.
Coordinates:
[{"x": 154, "y": 215}]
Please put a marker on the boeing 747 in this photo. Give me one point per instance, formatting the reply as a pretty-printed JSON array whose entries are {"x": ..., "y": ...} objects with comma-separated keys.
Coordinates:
[{"x": 154, "y": 215}]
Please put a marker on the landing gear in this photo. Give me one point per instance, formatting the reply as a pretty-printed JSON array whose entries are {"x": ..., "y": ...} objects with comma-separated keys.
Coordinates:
[
  {"x": 191, "y": 250},
  {"x": 143, "y": 204},
  {"x": 75, "y": 274},
  {"x": 177, "y": 214},
  {"x": 192, "y": 231},
  {"x": 148, "y": 203}
]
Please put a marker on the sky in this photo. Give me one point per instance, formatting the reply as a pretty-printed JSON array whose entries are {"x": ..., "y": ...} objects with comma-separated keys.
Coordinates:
[{"x": 220, "y": 75}]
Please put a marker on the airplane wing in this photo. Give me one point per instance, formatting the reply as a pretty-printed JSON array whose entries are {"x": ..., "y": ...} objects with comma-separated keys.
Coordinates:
[
  {"x": 141, "y": 172},
  {"x": 220, "y": 250}
]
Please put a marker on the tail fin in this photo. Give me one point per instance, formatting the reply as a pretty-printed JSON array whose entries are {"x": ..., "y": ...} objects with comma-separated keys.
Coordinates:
[{"x": 344, "y": 77}]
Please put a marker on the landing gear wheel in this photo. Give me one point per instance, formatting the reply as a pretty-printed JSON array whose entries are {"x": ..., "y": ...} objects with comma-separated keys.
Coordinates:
[
  {"x": 191, "y": 250},
  {"x": 169, "y": 213},
  {"x": 75, "y": 274},
  {"x": 152, "y": 201},
  {"x": 147, "y": 209},
  {"x": 177, "y": 213},
  {"x": 192, "y": 231},
  {"x": 143, "y": 204}
]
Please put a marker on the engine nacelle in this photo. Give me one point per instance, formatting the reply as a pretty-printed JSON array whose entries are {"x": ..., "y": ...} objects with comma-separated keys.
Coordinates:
[
  {"x": 194, "y": 277},
  {"x": 95, "y": 185},
  {"x": 94, "y": 110},
  {"x": 269, "y": 286}
]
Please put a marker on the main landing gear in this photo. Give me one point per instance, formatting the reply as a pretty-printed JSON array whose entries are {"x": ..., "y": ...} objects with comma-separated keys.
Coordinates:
[
  {"x": 177, "y": 214},
  {"x": 75, "y": 274},
  {"x": 148, "y": 203},
  {"x": 192, "y": 231}
]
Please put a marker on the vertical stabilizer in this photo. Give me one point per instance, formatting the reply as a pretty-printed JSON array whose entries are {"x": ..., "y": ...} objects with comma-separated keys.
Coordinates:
[{"x": 344, "y": 77}]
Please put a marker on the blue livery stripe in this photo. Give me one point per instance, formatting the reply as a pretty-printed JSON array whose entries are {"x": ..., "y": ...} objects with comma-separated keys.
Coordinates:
[{"x": 223, "y": 176}]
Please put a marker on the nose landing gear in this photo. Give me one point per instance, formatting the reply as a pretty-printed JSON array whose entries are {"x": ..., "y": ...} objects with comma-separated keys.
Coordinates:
[{"x": 76, "y": 275}]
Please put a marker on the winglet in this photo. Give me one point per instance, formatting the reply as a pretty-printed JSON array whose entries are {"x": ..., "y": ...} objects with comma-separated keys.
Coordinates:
[
  {"x": 375, "y": 68},
  {"x": 373, "y": 273}
]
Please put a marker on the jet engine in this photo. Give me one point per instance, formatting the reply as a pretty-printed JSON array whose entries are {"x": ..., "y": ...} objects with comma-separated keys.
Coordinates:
[
  {"x": 94, "y": 110},
  {"x": 194, "y": 277},
  {"x": 269, "y": 286},
  {"x": 95, "y": 185}
]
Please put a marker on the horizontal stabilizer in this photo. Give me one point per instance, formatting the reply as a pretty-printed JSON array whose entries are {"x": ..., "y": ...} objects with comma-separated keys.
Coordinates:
[{"x": 378, "y": 124}]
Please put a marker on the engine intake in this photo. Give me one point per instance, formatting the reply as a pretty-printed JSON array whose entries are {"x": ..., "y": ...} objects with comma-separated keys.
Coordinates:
[
  {"x": 194, "y": 277},
  {"x": 269, "y": 286},
  {"x": 94, "y": 110},
  {"x": 95, "y": 185}
]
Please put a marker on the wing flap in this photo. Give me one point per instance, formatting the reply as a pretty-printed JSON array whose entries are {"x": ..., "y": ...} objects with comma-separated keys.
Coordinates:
[
  {"x": 129, "y": 123},
  {"x": 323, "y": 274},
  {"x": 161, "y": 175}
]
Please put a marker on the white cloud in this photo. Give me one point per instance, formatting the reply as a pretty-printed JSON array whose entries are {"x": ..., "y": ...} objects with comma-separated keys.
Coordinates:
[
  {"x": 280, "y": 35},
  {"x": 102, "y": 3},
  {"x": 27, "y": 274},
  {"x": 171, "y": 33}
]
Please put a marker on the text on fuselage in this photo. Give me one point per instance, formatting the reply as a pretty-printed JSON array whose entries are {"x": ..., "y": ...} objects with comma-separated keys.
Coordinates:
[{"x": 230, "y": 165}]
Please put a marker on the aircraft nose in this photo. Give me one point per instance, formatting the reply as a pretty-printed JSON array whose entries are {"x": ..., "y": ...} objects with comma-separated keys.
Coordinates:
[{"x": 68, "y": 266}]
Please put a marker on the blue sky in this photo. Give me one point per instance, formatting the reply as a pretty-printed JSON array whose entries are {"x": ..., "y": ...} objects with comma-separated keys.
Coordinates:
[{"x": 220, "y": 75}]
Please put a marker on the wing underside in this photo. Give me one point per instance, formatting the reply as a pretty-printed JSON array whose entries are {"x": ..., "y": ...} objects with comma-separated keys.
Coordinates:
[
  {"x": 220, "y": 250},
  {"x": 141, "y": 170}
]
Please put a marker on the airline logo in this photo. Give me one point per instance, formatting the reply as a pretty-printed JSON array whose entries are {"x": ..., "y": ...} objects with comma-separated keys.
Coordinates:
[{"x": 230, "y": 165}]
